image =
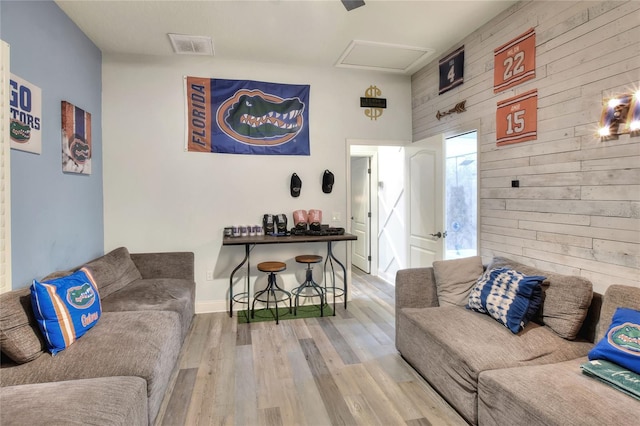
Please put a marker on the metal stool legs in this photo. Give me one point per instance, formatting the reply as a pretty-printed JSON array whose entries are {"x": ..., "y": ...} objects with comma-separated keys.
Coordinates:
[
  {"x": 270, "y": 290},
  {"x": 309, "y": 284}
]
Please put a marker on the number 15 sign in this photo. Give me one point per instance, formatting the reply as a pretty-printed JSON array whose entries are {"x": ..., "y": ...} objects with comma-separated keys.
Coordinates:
[{"x": 517, "y": 119}]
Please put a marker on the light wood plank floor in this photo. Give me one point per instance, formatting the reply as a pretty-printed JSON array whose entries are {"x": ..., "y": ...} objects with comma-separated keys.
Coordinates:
[{"x": 338, "y": 370}]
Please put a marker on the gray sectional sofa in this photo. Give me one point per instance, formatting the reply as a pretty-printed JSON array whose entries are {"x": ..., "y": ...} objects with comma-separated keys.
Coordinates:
[
  {"x": 118, "y": 372},
  {"x": 492, "y": 376}
]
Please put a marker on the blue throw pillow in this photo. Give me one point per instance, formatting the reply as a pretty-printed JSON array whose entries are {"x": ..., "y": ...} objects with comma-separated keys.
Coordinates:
[
  {"x": 65, "y": 308},
  {"x": 507, "y": 296},
  {"x": 621, "y": 344}
]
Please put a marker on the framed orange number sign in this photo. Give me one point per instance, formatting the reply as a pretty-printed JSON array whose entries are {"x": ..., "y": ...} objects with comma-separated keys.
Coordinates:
[
  {"x": 515, "y": 62},
  {"x": 517, "y": 119}
]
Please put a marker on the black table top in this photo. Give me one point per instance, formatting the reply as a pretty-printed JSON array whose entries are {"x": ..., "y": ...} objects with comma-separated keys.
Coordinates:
[{"x": 270, "y": 239}]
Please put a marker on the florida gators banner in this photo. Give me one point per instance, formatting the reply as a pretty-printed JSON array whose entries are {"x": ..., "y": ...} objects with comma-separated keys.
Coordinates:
[{"x": 247, "y": 117}]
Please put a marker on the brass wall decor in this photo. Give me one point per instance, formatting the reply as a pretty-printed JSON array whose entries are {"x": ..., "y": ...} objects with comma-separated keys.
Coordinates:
[
  {"x": 460, "y": 107},
  {"x": 373, "y": 103}
]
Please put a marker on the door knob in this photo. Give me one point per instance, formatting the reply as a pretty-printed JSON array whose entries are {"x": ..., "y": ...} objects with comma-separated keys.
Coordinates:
[{"x": 439, "y": 234}]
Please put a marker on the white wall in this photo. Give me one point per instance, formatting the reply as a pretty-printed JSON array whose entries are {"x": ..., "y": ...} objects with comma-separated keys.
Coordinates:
[
  {"x": 577, "y": 210},
  {"x": 159, "y": 198}
]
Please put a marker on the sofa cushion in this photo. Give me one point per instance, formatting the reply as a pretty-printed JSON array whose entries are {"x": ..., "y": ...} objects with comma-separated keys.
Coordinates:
[
  {"x": 20, "y": 338},
  {"x": 553, "y": 394},
  {"x": 450, "y": 346},
  {"x": 101, "y": 401},
  {"x": 566, "y": 298},
  {"x": 507, "y": 296},
  {"x": 455, "y": 278},
  {"x": 167, "y": 294},
  {"x": 65, "y": 308},
  {"x": 113, "y": 271},
  {"x": 144, "y": 344},
  {"x": 621, "y": 343}
]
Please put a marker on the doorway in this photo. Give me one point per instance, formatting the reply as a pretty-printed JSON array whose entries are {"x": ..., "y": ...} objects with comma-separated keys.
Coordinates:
[
  {"x": 388, "y": 190},
  {"x": 361, "y": 212}
]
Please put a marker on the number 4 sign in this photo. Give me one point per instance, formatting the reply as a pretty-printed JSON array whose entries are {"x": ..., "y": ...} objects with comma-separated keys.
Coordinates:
[
  {"x": 451, "y": 70},
  {"x": 517, "y": 119},
  {"x": 515, "y": 62}
]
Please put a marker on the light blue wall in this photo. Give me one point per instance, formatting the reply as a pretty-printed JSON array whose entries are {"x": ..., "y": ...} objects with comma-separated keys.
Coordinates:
[{"x": 56, "y": 218}]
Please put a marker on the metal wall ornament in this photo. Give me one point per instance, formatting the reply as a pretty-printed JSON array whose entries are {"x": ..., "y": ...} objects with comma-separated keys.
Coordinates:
[
  {"x": 373, "y": 103},
  {"x": 459, "y": 108}
]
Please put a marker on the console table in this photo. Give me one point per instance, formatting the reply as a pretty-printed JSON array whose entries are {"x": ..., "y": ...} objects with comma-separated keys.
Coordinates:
[{"x": 250, "y": 242}]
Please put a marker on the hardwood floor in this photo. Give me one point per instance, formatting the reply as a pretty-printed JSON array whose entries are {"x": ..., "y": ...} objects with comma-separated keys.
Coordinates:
[{"x": 338, "y": 370}]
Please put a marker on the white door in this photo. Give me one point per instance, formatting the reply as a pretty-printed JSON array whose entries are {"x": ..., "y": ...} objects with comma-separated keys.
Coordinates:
[
  {"x": 424, "y": 183},
  {"x": 361, "y": 213}
]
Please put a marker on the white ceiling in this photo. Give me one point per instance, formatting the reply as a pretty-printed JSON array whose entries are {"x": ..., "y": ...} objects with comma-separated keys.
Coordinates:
[{"x": 303, "y": 32}]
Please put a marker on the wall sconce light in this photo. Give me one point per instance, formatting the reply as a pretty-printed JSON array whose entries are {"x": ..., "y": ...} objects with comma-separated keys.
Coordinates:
[
  {"x": 633, "y": 117},
  {"x": 620, "y": 115},
  {"x": 614, "y": 116}
]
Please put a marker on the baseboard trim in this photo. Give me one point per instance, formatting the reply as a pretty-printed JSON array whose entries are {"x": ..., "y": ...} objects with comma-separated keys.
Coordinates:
[{"x": 208, "y": 306}]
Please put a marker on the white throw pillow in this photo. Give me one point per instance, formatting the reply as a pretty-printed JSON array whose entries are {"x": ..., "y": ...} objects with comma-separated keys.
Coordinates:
[{"x": 455, "y": 278}]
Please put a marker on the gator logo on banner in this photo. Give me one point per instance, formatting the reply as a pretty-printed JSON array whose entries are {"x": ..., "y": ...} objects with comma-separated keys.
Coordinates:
[
  {"x": 247, "y": 117},
  {"x": 81, "y": 297},
  {"x": 626, "y": 337}
]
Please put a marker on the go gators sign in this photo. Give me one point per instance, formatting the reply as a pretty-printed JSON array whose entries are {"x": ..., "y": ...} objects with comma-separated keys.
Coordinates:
[{"x": 25, "y": 113}]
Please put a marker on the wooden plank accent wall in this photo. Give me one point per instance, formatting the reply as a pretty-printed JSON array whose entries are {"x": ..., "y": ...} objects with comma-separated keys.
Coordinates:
[{"x": 577, "y": 210}]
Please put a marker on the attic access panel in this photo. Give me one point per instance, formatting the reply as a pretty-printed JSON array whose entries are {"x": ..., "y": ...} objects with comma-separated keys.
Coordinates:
[{"x": 378, "y": 56}]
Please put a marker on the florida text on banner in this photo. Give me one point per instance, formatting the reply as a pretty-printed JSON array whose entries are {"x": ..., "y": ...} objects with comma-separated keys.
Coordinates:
[
  {"x": 517, "y": 119},
  {"x": 515, "y": 61},
  {"x": 247, "y": 117}
]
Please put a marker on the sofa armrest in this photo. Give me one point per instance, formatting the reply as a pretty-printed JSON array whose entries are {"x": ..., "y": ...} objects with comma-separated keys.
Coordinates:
[
  {"x": 416, "y": 288},
  {"x": 165, "y": 265}
]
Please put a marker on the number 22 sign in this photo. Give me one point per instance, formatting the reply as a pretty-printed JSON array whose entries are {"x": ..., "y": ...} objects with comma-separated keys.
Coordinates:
[
  {"x": 515, "y": 61},
  {"x": 517, "y": 119}
]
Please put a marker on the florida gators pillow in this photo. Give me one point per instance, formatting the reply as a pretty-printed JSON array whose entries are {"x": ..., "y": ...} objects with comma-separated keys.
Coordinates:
[
  {"x": 621, "y": 344},
  {"x": 65, "y": 308}
]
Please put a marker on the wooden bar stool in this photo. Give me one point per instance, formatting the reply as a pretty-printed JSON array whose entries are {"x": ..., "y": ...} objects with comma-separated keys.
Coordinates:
[
  {"x": 272, "y": 288},
  {"x": 308, "y": 283}
]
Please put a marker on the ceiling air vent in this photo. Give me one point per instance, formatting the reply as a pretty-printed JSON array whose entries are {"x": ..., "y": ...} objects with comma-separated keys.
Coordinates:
[{"x": 191, "y": 45}]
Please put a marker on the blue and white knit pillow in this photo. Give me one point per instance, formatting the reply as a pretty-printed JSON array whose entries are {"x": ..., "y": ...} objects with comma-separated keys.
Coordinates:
[{"x": 507, "y": 296}]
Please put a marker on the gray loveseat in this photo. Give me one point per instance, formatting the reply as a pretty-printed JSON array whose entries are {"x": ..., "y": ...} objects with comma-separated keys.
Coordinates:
[
  {"x": 118, "y": 372},
  {"x": 492, "y": 376}
]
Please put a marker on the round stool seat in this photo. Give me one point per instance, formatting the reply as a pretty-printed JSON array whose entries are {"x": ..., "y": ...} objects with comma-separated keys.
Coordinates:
[
  {"x": 308, "y": 258},
  {"x": 272, "y": 266}
]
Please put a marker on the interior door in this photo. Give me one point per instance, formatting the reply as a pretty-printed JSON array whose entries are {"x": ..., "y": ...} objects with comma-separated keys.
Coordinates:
[
  {"x": 361, "y": 212},
  {"x": 424, "y": 186}
]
